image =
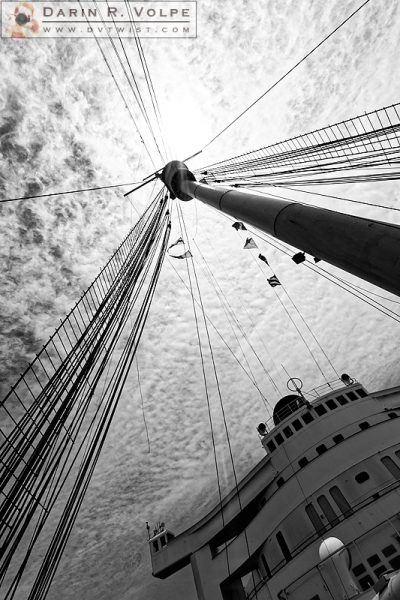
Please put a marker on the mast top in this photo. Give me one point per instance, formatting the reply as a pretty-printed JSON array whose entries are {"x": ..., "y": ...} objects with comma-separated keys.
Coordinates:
[{"x": 174, "y": 175}]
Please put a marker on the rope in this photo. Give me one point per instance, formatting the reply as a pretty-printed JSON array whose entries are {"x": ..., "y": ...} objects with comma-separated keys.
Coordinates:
[{"x": 142, "y": 404}]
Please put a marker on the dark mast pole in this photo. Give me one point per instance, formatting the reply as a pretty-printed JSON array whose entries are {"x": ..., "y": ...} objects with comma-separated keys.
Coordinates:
[{"x": 364, "y": 247}]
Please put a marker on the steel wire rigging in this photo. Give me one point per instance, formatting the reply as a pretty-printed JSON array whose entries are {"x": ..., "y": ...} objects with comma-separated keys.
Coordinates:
[
  {"x": 56, "y": 417},
  {"x": 363, "y": 148},
  {"x": 297, "y": 64}
]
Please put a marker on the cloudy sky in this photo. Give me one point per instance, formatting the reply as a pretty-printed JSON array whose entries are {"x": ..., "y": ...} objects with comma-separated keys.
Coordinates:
[{"x": 63, "y": 126}]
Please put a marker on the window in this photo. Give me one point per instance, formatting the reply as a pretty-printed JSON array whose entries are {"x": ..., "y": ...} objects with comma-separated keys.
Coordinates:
[
  {"x": 297, "y": 425},
  {"x": 321, "y": 449},
  {"x": 391, "y": 466},
  {"x": 338, "y": 438},
  {"x": 342, "y": 400},
  {"x": 279, "y": 439},
  {"x": 359, "y": 570},
  {"x": 362, "y": 393},
  {"x": 288, "y": 432},
  {"x": 378, "y": 572},
  {"x": 352, "y": 396},
  {"x": 307, "y": 418},
  {"x": 364, "y": 425},
  {"x": 373, "y": 560},
  {"x": 392, "y": 415},
  {"x": 283, "y": 546},
  {"x": 163, "y": 541},
  {"x": 280, "y": 482},
  {"x": 366, "y": 582},
  {"x": 265, "y": 565},
  {"x": 303, "y": 462},
  {"x": 395, "y": 563},
  {"x": 271, "y": 446},
  {"x": 331, "y": 404},
  {"x": 320, "y": 410},
  {"x": 155, "y": 545},
  {"x": 315, "y": 519},
  {"x": 361, "y": 477},
  {"x": 388, "y": 550},
  {"x": 328, "y": 510},
  {"x": 340, "y": 501}
]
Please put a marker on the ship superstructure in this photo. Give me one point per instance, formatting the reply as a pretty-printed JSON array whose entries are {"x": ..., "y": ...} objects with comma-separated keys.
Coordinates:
[{"x": 318, "y": 517}]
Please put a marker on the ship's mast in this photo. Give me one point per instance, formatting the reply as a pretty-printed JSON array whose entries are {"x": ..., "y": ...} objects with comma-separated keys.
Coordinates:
[{"x": 367, "y": 248}]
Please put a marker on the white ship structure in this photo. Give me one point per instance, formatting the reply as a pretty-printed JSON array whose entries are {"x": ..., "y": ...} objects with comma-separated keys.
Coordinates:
[{"x": 318, "y": 516}]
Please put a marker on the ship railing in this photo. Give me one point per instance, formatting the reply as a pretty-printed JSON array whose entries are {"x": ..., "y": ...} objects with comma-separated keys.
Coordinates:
[
  {"x": 327, "y": 387},
  {"x": 313, "y": 394}
]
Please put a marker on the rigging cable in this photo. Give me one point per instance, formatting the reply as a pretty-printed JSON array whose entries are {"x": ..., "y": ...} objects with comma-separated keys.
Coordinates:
[
  {"x": 327, "y": 275},
  {"x": 142, "y": 403},
  {"x": 149, "y": 81},
  {"x": 136, "y": 93},
  {"x": 38, "y": 474},
  {"x": 286, "y": 74},
  {"x": 220, "y": 402},
  {"x": 205, "y": 387},
  {"x": 91, "y": 189},
  {"x": 119, "y": 88},
  {"x": 291, "y": 318},
  {"x": 229, "y": 310},
  {"x": 339, "y": 198},
  {"x": 217, "y": 330},
  {"x": 243, "y": 307}
]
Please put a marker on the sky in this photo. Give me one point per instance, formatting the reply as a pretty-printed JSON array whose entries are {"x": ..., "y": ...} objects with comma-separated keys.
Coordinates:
[{"x": 64, "y": 126}]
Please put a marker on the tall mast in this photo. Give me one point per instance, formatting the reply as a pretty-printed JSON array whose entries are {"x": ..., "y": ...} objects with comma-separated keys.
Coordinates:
[{"x": 367, "y": 248}]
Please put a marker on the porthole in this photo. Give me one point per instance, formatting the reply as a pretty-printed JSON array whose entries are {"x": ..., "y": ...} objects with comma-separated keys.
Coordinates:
[
  {"x": 361, "y": 477},
  {"x": 364, "y": 425}
]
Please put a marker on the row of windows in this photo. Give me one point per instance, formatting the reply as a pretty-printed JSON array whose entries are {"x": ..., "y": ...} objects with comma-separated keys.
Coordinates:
[
  {"x": 361, "y": 477},
  {"x": 302, "y": 462},
  {"x": 307, "y": 418},
  {"x": 376, "y": 565},
  {"x": 332, "y": 509},
  {"x": 340, "y": 500}
]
